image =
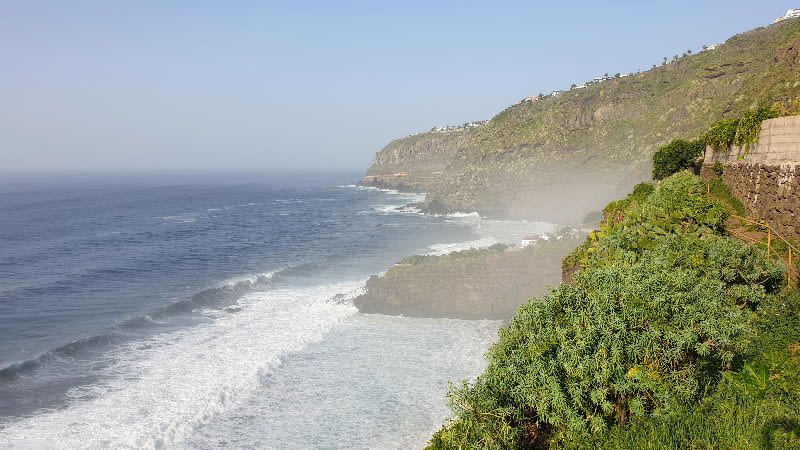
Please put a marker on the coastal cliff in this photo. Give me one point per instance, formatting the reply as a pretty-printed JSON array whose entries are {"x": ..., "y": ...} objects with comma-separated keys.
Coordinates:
[{"x": 554, "y": 156}]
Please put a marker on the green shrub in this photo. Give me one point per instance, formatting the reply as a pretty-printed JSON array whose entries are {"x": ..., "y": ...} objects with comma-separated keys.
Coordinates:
[
  {"x": 640, "y": 192},
  {"x": 718, "y": 169},
  {"x": 626, "y": 341},
  {"x": 750, "y": 125},
  {"x": 663, "y": 304},
  {"x": 676, "y": 156},
  {"x": 721, "y": 135},
  {"x": 679, "y": 204},
  {"x": 749, "y": 411},
  {"x": 681, "y": 200},
  {"x": 721, "y": 191}
]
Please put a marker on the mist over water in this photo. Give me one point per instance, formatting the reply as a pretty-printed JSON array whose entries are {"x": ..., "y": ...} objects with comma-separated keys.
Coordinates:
[{"x": 220, "y": 314}]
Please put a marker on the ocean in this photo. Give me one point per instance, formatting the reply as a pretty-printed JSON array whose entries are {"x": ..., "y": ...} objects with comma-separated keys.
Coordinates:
[{"x": 159, "y": 313}]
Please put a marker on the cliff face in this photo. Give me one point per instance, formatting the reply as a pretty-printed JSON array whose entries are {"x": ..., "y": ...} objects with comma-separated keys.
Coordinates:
[
  {"x": 416, "y": 162},
  {"x": 554, "y": 158}
]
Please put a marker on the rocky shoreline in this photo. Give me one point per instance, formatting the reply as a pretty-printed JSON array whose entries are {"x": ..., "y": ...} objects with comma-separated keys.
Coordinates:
[{"x": 471, "y": 284}]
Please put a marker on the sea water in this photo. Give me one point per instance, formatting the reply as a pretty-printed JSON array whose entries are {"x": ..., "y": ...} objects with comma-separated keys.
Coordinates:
[{"x": 160, "y": 313}]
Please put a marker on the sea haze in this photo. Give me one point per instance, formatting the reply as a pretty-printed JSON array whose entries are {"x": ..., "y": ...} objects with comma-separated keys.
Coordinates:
[{"x": 145, "y": 313}]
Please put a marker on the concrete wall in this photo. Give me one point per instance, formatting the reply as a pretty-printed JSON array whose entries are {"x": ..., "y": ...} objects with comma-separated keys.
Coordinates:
[
  {"x": 778, "y": 143},
  {"x": 767, "y": 177}
]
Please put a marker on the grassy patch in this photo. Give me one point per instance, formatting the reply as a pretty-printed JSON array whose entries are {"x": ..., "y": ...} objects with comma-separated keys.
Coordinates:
[{"x": 721, "y": 191}]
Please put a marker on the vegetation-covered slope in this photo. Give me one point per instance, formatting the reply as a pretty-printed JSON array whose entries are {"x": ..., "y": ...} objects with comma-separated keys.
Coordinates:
[
  {"x": 556, "y": 158},
  {"x": 672, "y": 335}
]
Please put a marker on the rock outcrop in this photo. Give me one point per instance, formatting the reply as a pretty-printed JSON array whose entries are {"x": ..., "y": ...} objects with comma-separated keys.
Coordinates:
[{"x": 481, "y": 285}]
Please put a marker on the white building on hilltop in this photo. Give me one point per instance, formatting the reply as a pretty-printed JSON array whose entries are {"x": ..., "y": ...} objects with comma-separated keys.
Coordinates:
[{"x": 790, "y": 14}]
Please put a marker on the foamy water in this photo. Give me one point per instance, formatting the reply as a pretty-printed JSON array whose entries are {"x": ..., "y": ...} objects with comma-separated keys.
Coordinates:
[
  {"x": 152, "y": 333},
  {"x": 161, "y": 388},
  {"x": 374, "y": 382}
]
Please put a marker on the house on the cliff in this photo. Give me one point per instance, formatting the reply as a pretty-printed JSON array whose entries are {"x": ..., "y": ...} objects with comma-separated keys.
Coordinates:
[
  {"x": 790, "y": 14},
  {"x": 530, "y": 240}
]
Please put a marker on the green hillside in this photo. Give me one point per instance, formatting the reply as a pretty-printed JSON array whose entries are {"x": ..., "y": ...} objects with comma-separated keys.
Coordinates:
[{"x": 589, "y": 145}]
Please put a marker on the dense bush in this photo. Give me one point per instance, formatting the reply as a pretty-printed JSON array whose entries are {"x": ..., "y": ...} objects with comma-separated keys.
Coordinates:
[
  {"x": 742, "y": 131},
  {"x": 615, "y": 209},
  {"x": 750, "y": 125},
  {"x": 662, "y": 306},
  {"x": 787, "y": 108},
  {"x": 718, "y": 168},
  {"x": 756, "y": 406},
  {"x": 721, "y": 135},
  {"x": 676, "y": 156}
]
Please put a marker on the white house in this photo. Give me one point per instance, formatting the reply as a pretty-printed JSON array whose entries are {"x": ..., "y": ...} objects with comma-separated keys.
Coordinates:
[
  {"x": 530, "y": 240},
  {"x": 790, "y": 14}
]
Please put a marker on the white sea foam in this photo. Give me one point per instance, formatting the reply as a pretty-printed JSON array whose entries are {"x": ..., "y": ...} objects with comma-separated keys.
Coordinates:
[
  {"x": 490, "y": 232},
  {"x": 160, "y": 389},
  {"x": 396, "y": 209},
  {"x": 471, "y": 215},
  {"x": 181, "y": 218},
  {"x": 374, "y": 382},
  {"x": 418, "y": 196},
  {"x": 512, "y": 231},
  {"x": 251, "y": 279},
  {"x": 443, "y": 249},
  {"x": 471, "y": 218},
  {"x": 368, "y": 188}
]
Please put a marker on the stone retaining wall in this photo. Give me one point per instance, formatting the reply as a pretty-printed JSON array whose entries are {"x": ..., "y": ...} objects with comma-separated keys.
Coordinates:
[
  {"x": 771, "y": 193},
  {"x": 766, "y": 179}
]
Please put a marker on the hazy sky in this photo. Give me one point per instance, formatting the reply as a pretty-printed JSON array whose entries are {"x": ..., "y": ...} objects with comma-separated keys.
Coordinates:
[{"x": 105, "y": 86}]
